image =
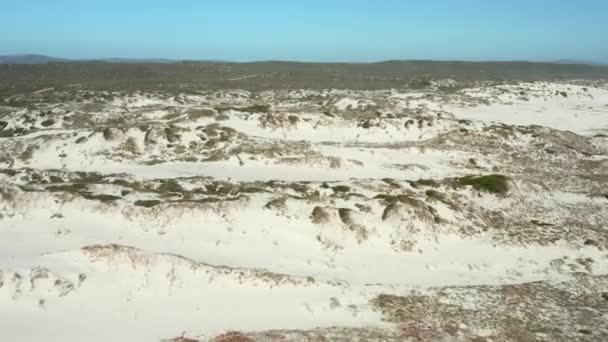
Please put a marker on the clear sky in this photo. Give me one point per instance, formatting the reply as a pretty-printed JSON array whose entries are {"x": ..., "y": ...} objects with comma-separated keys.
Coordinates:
[{"x": 307, "y": 30}]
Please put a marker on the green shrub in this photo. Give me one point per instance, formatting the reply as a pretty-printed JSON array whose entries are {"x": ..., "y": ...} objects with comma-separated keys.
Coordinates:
[{"x": 495, "y": 184}]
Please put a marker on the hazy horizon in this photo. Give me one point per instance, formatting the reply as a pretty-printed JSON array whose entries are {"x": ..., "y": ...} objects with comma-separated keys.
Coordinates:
[{"x": 315, "y": 31}]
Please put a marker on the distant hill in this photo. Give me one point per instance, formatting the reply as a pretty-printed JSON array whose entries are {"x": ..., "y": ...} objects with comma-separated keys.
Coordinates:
[
  {"x": 28, "y": 59},
  {"x": 42, "y": 59},
  {"x": 577, "y": 61}
]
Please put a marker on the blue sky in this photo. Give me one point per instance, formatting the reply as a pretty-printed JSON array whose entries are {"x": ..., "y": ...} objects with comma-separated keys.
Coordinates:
[{"x": 307, "y": 30}]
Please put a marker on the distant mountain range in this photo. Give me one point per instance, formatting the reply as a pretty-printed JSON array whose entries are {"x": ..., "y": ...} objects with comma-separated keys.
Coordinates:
[{"x": 42, "y": 59}]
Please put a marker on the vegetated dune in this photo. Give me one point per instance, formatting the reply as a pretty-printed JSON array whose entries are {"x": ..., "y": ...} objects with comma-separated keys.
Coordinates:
[{"x": 441, "y": 210}]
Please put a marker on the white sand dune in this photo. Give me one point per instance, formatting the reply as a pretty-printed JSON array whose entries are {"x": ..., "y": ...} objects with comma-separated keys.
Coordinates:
[{"x": 258, "y": 221}]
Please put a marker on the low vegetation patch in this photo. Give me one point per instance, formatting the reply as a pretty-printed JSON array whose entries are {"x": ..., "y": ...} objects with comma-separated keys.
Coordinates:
[
  {"x": 393, "y": 183},
  {"x": 345, "y": 215},
  {"x": 47, "y": 123},
  {"x": 28, "y": 153},
  {"x": 319, "y": 215},
  {"x": 170, "y": 186},
  {"x": 495, "y": 184},
  {"x": 147, "y": 203},
  {"x": 200, "y": 113},
  {"x": 341, "y": 188},
  {"x": 71, "y": 188},
  {"x": 435, "y": 195},
  {"x": 80, "y": 189},
  {"x": 420, "y": 84},
  {"x": 424, "y": 182},
  {"x": 261, "y": 108},
  {"x": 101, "y": 197},
  {"x": 277, "y": 204},
  {"x": 390, "y": 210},
  {"x": 405, "y": 199}
]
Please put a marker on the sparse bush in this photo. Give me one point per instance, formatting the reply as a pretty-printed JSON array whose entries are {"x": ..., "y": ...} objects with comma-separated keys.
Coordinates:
[
  {"x": 107, "y": 133},
  {"x": 55, "y": 179},
  {"x": 7, "y": 194},
  {"x": 390, "y": 210},
  {"x": 424, "y": 182},
  {"x": 47, "y": 123},
  {"x": 393, "y": 183},
  {"x": 434, "y": 194},
  {"x": 170, "y": 186},
  {"x": 130, "y": 146},
  {"x": 110, "y": 133},
  {"x": 293, "y": 119},
  {"x": 100, "y": 197},
  {"x": 277, "y": 204},
  {"x": 28, "y": 153},
  {"x": 154, "y": 135},
  {"x": 147, "y": 203},
  {"x": 345, "y": 215},
  {"x": 366, "y": 124},
  {"x": 196, "y": 114},
  {"x": 172, "y": 133},
  {"x": 71, "y": 188},
  {"x": 440, "y": 197},
  {"x": 261, "y": 108},
  {"x": 341, "y": 188},
  {"x": 541, "y": 224},
  {"x": 319, "y": 215},
  {"x": 420, "y": 84},
  {"x": 172, "y": 116}
]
